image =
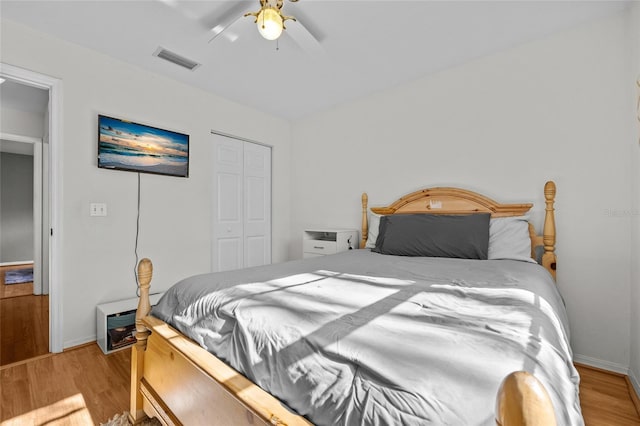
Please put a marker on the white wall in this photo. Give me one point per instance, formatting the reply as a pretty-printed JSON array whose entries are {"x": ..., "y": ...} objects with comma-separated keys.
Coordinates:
[
  {"x": 16, "y": 223},
  {"x": 501, "y": 125},
  {"x": 16, "y": 207},
  {"x": 98, "y": 252},
  {"x": 21, "y": 123},
  {"x": 634, "y": 45}
]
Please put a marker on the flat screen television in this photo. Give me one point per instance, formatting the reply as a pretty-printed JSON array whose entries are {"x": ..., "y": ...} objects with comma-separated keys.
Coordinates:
[{"x": 124, "y": 145}]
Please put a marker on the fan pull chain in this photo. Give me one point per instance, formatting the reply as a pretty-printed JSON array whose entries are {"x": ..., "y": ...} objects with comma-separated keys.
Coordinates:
[{"x": 277, "y": 44}]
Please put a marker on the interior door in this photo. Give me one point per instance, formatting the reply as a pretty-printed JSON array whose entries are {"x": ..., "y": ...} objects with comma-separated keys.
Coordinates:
[
  {"x": 241, "y": 204},
  {"x": 228, "y": 204}
]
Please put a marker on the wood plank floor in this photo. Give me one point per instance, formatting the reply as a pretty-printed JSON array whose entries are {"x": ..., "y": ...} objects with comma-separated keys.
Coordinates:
[
  {"x": 24, "y": 328},
  {"x": 606, "y": 398},
  {"x": 24, "y": 320},
  {"x": 83, "y": 386}
]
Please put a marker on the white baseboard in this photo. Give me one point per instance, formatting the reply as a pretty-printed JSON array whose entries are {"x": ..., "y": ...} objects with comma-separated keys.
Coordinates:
[
  {"x": 77, "y": 342},
  {"x": 602, "y": 364},
  {"x": 634, "y": 381},
  {"x": 25, "y": 262}
]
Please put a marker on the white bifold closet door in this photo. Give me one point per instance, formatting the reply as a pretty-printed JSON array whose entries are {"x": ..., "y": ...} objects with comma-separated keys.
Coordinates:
[{"x": 242, "y": 204}]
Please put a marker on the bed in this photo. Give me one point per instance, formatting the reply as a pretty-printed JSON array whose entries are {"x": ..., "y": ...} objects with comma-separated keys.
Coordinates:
[{"x": 380, "y": 335}]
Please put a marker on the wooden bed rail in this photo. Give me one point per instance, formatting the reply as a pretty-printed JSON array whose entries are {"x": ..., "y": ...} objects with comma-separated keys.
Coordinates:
[{"x": 460, "y": 201}]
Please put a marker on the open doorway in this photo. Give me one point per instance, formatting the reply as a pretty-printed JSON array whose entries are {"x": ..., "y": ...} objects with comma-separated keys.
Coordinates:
[
  {"x": 24, "y": 221},
  {"x": 53, "y": 169}
]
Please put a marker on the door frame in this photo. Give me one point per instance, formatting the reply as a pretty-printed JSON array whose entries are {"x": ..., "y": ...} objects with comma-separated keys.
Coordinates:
[{"x": 54, "y": 86}]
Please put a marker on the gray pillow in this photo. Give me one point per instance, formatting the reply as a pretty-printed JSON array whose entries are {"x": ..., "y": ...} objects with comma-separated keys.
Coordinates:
[{"x": 434, "y": 235}]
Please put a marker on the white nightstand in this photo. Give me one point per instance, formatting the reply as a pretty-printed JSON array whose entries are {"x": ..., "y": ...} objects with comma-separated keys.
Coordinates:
[
  {"x": 117, "y": 320},
  {"x": 320, "y": 242}
]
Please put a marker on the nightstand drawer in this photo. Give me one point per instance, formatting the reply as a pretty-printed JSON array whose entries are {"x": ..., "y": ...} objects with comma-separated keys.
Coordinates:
[{"x": 320, "y": 247}]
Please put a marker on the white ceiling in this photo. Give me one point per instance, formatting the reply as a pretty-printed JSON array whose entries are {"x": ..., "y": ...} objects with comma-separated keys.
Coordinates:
[{"x": 366, "y": 46}]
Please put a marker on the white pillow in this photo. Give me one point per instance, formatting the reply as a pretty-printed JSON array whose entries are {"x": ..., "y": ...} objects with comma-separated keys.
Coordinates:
[
  {"x": 374, "y": 226},
  {"x": 509, "y": 238}
]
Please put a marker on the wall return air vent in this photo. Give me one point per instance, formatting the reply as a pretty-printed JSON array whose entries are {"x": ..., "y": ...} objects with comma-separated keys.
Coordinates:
[{"x": 174, "y": 58}]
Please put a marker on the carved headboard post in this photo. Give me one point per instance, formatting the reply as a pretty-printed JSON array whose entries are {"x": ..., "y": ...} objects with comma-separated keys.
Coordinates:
[
  {"x": 549, "y": 230},
  {"x": 365, "y": 224},
  {"x": 145, "y": 272}
]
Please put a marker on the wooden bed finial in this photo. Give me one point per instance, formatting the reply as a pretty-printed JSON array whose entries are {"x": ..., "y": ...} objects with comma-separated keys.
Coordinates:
[
  {"x": 523, "y": 401},
  {"x": 549, "y": 230},
  {"x": 145, "y": 272},
  {"x": 365, "y": 224}
]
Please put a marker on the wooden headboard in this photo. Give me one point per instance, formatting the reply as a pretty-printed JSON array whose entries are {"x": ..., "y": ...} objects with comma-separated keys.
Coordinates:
[{"x": 462, "y": 201}]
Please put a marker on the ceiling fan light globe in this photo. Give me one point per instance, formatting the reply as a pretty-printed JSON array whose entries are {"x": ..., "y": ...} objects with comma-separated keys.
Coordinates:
[{"x": 269, "y": 23}]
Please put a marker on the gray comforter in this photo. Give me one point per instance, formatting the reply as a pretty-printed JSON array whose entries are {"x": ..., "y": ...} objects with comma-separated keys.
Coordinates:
[{"x": 363, "y": 338}]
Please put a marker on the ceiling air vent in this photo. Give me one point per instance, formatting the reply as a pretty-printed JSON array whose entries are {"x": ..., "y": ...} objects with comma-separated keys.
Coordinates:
[{"x": 174, "y": 58}]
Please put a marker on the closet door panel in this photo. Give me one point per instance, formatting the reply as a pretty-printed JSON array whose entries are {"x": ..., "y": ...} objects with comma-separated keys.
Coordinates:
[
  {"x": 228, "y": 227},
  {"x": 241, "y": 204},
  {"x": 257, "y": 197}
]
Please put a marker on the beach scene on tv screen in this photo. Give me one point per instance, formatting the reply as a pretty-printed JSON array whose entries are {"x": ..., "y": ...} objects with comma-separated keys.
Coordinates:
[{"x": 137, "y": 147}]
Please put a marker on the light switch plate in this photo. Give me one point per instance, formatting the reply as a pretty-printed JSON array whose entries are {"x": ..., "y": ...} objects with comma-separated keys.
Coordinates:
[{"x": 97, "y": 209}]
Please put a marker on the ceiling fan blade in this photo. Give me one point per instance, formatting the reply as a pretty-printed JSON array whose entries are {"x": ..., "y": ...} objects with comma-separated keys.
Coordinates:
[
  {"x": 224, "y": 20},
  {"x": 303, "y": 38}
]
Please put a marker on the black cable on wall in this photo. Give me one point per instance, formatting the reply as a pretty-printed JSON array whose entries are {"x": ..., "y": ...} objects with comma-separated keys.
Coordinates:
[{"x": 135, "y": 267}]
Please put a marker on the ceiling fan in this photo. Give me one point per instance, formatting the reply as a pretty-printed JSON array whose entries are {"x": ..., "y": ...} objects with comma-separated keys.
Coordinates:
[
  {"x": 270, "y": 22},
  {"x": 270, "y": 19}
]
